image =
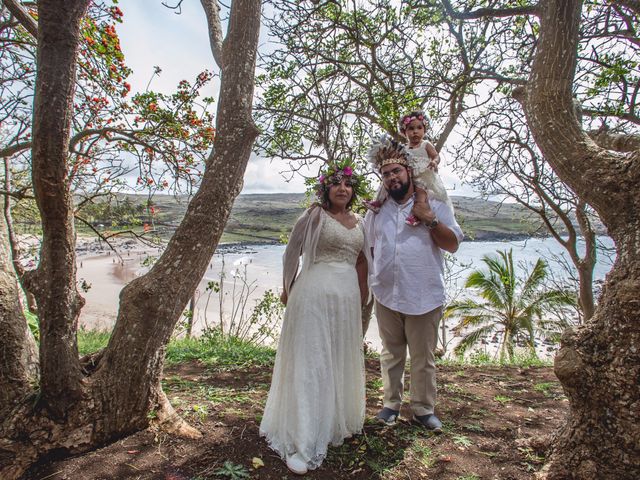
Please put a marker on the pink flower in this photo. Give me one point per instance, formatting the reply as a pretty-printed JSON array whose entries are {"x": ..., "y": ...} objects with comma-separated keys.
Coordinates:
[
  {"x": 321, "y": 179},
  {"x": 347, "y": 171},
  {"x": 406, "y": 120}
]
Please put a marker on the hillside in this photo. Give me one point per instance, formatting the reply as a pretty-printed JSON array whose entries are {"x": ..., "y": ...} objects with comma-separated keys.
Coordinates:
[{"x": 258, "y": 218}]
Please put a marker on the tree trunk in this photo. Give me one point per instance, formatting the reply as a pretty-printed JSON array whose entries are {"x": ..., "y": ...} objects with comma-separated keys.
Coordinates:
[
  {"x": 585, "y": 294},
  {"x": 111, "y": 394},
  {"x": 30, "y": 349},
  {"x": 13, "y": 240},
  {"x": 192, "y": 312},
  {"x": 54, "y": 281},
  {"x": 587, "y": 263},
  {"x": 598, "y": 363},
  {"x": 14, "y": 354},
  {"x": 151, "y": 305}
]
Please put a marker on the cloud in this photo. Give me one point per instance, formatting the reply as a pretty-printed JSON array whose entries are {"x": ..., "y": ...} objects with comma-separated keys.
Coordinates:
[
  {"x": 270, "y": 176},
  {"x": 152, "y": 34}
]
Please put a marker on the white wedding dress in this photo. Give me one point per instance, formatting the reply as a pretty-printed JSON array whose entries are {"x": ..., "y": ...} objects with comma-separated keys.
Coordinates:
[{"x": 317, "y": 394}]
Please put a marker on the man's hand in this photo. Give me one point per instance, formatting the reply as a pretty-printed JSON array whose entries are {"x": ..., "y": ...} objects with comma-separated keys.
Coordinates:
[
  {"x": 283, "y": 297},
  {"x": 422, "y": 211},
  {"x": 442, "y": 235}
]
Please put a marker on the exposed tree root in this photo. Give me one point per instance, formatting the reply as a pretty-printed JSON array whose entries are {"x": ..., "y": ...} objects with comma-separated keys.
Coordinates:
[{"x": 170, "y": 422}]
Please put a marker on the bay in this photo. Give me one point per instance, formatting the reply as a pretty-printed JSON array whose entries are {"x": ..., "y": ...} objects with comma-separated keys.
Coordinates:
[
  {"x": 247, "y": 272},
  {"x": 262, "y": 267}
]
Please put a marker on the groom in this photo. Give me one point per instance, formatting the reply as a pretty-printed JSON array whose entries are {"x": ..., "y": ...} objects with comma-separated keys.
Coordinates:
[{"x": 407, "y": 280}]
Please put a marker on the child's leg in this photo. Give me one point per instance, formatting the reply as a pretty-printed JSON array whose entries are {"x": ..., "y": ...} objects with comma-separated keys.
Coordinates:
[
  {"x": 376, "y": 204},
  {"x": 420, "y": 197}
]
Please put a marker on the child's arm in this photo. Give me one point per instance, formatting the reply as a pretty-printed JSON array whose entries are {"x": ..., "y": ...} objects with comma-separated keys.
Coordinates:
[{"x": 434, "y": 157}]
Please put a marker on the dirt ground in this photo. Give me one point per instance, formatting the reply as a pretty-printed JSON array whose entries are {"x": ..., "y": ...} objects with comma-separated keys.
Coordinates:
[{"x": 490, "y": 414}]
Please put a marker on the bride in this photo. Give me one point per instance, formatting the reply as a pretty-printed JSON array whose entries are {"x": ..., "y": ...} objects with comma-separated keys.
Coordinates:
[{"x": 317, "y": 394}]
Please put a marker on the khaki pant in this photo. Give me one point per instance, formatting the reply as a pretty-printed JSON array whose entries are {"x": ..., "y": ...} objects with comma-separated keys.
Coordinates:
[{"x": 420, "y": 333}]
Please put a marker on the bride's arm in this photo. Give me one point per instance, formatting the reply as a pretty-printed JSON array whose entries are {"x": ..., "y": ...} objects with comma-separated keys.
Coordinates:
[
  {"x": 291, "y": 257},
  {"x": 363, "y": 271}
]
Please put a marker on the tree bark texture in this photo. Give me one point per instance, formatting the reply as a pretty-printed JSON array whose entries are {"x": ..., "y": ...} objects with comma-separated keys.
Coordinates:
[
  {"x": 151, "y": 305},
  {"x": 110, "y": 395},
  {"x": 598, "y": 363},
  {"x": 14, "y": 353},
  {"x": 54, "y": 281}
]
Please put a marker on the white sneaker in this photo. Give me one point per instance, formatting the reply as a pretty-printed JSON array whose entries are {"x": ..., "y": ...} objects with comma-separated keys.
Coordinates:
[{"x": 296, "y": 464}]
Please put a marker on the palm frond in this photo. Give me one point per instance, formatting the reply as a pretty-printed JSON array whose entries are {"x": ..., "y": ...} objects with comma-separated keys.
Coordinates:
[
  {"x": 471, "y": 313},
  {"x": 472, "y": 338},
  {"x": 489, "y": 286},
  {"x": 536, "y": 277},
  {"x": 549, "y": 300}
]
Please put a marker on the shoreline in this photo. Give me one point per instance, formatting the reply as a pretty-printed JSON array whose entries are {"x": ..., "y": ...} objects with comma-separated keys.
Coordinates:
[{"x": 256, "y": 263}]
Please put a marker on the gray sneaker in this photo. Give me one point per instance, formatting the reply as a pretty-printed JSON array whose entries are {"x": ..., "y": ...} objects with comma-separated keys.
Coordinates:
[
  {"x": 387, "y": 416},
  {"x": 430, "y": 422}
]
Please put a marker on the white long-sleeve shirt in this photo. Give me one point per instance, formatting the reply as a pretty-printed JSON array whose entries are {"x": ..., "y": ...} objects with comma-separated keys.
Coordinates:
[{"x": 407, "y": 273}]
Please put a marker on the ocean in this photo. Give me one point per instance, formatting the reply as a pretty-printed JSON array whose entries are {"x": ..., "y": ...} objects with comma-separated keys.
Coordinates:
[{"x": 252, "y": 270}]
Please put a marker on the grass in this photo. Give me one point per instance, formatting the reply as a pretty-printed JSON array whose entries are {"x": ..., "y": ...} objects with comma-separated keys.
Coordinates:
[
  {"x": 90, "y": 341},
  {"x": 375, "y": 385},
  {"x": 423, "y": 453},
  {"x": 502, "y": 399},
  {"x": 232, "y": 353},
  {"x": 462, "y": 440},
  {"x": 212, "y": 349},
  {"x": 546, "y": 388},
  {"x": 483, "y": 359},
  {"x": 222, "y": 352}
]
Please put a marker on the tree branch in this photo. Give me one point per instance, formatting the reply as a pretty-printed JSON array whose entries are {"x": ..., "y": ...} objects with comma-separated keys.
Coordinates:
[
  {"x": 489, "y": 12},
  {"x": 13, "y": 149},
  {"x": 212, "y": 12},
  {"x": 633, "y": 5},
  {"x": 21, "y": 14},
  {"x": 617, "y": 142}
]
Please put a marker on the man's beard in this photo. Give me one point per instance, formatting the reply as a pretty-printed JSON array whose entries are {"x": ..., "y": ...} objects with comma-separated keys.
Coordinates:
[{"x": 399, "y": 193}]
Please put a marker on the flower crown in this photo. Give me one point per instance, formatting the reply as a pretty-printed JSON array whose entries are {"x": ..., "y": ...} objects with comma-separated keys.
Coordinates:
[
  {"x": 410, "y": 117},
  {"x": 334, "y": 173},
  {"x": 385, "y": 150}
]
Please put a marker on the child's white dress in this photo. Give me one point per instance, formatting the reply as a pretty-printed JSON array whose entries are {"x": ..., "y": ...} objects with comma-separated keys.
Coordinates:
[{"x": 423, "y": 176}]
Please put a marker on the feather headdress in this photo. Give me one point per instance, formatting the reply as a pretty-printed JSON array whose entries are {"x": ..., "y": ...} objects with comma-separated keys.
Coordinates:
[{"x": 385, "y": 150}]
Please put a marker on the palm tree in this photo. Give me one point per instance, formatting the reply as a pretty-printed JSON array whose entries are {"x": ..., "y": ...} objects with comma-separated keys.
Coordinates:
[{"x": 508, "y": 306}]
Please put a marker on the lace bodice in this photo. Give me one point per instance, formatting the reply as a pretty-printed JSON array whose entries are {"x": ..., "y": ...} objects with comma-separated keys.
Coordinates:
[{"x": 338, "y": 243}]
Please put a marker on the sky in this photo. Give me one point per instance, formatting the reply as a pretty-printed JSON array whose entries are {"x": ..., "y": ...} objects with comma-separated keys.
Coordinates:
[{"x": 154, "y": 35}]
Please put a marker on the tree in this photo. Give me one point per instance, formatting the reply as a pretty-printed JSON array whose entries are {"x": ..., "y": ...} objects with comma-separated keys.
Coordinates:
[
  {"x": 343, "y": 70},
  {"x": 517, "y": 310},
  {"x": 501, "y": 158},
  {"x": 499, "y": 151},
  {"x": 164, "y": 137},
  {"x": 598, "y": 363},
  {"x": 83, "y": 404}
]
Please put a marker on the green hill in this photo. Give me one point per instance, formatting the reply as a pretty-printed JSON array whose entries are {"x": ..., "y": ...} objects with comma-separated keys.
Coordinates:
[{"x": 264, "y": 218}]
